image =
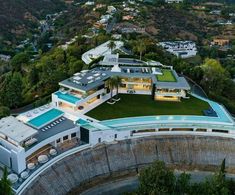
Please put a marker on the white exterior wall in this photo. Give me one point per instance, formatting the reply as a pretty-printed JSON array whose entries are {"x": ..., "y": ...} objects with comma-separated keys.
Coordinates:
[
  {"x": 12, "y": 156},
  {"x": 107, "y": 136}
]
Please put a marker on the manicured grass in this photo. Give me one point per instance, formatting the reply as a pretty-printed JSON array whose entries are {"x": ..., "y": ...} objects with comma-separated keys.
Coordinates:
[
  {"x": 167, "y": 76},
  {"x": 143, "y": 105}
]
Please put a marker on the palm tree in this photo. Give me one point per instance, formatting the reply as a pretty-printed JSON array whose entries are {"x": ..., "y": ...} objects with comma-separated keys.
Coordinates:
[
  {"x": 111, "y": 45},
  {"x": 141, "y": 48},
  {"x": 111, "y": 84},
  {"x": 117, "y": 83},
  {"x": 5, "y": 184}
]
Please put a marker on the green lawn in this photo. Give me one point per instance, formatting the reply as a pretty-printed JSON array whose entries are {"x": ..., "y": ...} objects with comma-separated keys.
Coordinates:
[
  {"x": 143, "y": 105},
  {"x": 167, "y": 76}
]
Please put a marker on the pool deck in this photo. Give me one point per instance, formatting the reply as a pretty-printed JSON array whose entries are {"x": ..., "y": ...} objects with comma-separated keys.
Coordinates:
[{"x": 45, "y": 118}]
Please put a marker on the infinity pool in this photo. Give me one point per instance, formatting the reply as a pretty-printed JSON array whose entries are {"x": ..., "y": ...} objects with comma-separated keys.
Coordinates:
[
  {"x": 223, "y": 117},
  {"x": 45, "y": 118},
  {"x": 67, "y": 97}
]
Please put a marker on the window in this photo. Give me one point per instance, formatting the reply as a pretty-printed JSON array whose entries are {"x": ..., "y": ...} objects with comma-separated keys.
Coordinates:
[
  {"x": 99, "y": 140},
  {"x": 115, "y": 136},
  {"x": 73, "y": 135},
  {"x": 58, "y": 141},
  {"x": 65, "y": 137}
]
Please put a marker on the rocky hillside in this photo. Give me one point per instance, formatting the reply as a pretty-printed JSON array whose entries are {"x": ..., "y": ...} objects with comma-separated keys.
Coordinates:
[{"x": 19, "y": 16}]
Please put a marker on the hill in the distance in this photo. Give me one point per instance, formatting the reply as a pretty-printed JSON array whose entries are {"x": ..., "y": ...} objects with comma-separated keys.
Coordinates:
[{"x": 19, "y": 16}]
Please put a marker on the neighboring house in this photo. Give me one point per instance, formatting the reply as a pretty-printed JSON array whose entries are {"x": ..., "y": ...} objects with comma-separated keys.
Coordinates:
[
  {"x": 100, "y": 50},
  {"x": 128, "y": 17},
  {"x": 111, "y": 9},
  {"x": 5, "y": 58},
  {"x": 90, "y": 3},
  {"x": 220, "y": 42},
  {"x": 183, "y": 49},
  {"x": 215, "y": 12},
  {"x": 173, "y": 1}
]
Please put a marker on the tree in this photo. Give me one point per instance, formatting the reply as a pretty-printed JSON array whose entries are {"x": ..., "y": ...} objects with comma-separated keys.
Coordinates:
[
  {"x": 11, "y": 90},
  {"x": 33, "y": 76},
  {"x": 111, "y": 85},
  {"x": 4, "y": 111},
  {"x": 5, "y": 184},
  {"x": 19, "y": 60},
  {"x": 183, "y": 185},
  {"x": 117, "y": 83},
  {"x": 141, "y": 48},
  {"x": 213, "y": 77},
  {"x": 156, "y": 179},
  {"x": 111, "y": 45}
]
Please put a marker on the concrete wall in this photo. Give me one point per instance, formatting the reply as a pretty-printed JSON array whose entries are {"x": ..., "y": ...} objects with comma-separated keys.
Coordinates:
[{"x": 130, "y": 154}]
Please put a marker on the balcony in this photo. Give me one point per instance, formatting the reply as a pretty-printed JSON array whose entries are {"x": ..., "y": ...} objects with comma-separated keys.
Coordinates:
[{"x": 176, "y": 94}]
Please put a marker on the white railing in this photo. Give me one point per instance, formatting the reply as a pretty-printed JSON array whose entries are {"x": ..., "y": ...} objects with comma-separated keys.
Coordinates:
[
  {"x": 35, "y": 174},
  {"x": 177, "y": 94}
]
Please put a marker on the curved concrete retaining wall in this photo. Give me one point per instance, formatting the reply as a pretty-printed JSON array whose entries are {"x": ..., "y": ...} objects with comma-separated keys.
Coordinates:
[{"x": 108, "y": 159}]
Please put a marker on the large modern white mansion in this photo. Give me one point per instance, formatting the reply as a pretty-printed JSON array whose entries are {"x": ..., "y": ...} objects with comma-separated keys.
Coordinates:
[
  {"x": 33, "y": 138},
  {"x": 182, "y": 49}
]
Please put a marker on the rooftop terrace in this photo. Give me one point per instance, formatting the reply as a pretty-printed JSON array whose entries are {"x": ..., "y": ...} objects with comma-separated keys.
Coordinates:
[{"x": 167, "y": 76}]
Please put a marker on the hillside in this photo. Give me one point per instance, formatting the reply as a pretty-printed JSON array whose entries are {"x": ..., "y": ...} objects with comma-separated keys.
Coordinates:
[
  {"x": 17, "y": 17},
  {"x": 167, "y": 22}
]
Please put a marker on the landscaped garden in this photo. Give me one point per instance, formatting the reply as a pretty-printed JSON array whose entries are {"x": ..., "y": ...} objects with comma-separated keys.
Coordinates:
[
  {"x": 167, "y": 76},
  {"x": 143, "y": 105}
]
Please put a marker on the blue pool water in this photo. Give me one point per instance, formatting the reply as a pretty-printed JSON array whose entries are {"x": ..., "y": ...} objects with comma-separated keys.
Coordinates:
[
  {"x": 67, "y": 97},
  {"x": 222, "y": 116},
  {"x": 81, "y": 122},
  {"x": 45, "y": 118}
]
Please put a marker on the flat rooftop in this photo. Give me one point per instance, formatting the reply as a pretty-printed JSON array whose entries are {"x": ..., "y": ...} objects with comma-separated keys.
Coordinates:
[
  {"x": 15, "y": 129},
  {"x": 90, "y": 79}
]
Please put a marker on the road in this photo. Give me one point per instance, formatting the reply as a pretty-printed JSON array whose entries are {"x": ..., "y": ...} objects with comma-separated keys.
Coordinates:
[{"x": 118, "y": 187}]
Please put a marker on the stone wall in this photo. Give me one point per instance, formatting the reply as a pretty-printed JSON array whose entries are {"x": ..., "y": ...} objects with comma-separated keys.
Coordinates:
[{"x": 108, "y": 159}]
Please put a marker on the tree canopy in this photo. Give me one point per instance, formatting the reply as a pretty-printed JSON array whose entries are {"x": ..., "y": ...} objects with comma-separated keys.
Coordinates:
[{"x": 158, "y": 179}]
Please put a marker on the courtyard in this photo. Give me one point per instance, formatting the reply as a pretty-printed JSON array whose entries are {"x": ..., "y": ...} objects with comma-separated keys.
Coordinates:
[{"x": 143, "y": 105}]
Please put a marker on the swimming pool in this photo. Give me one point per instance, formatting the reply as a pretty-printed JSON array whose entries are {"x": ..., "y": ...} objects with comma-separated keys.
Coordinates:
[
  {"x": 45, "y": 118},
  {"x": 67, "y": 97}
]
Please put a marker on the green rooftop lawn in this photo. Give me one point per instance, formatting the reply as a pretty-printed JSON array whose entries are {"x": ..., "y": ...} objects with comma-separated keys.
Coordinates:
[
  {"x": 167, "y": 76},
  {"x": 143, "y": 105}
]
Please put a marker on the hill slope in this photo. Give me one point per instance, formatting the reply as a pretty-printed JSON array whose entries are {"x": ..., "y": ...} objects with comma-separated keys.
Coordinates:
[{"x": 19, "y": 16}]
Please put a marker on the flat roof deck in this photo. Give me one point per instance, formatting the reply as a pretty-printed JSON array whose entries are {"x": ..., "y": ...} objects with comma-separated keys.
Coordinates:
[
  {"x": 15, "y": 129},
  {"x": 90, "y": 79}
]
